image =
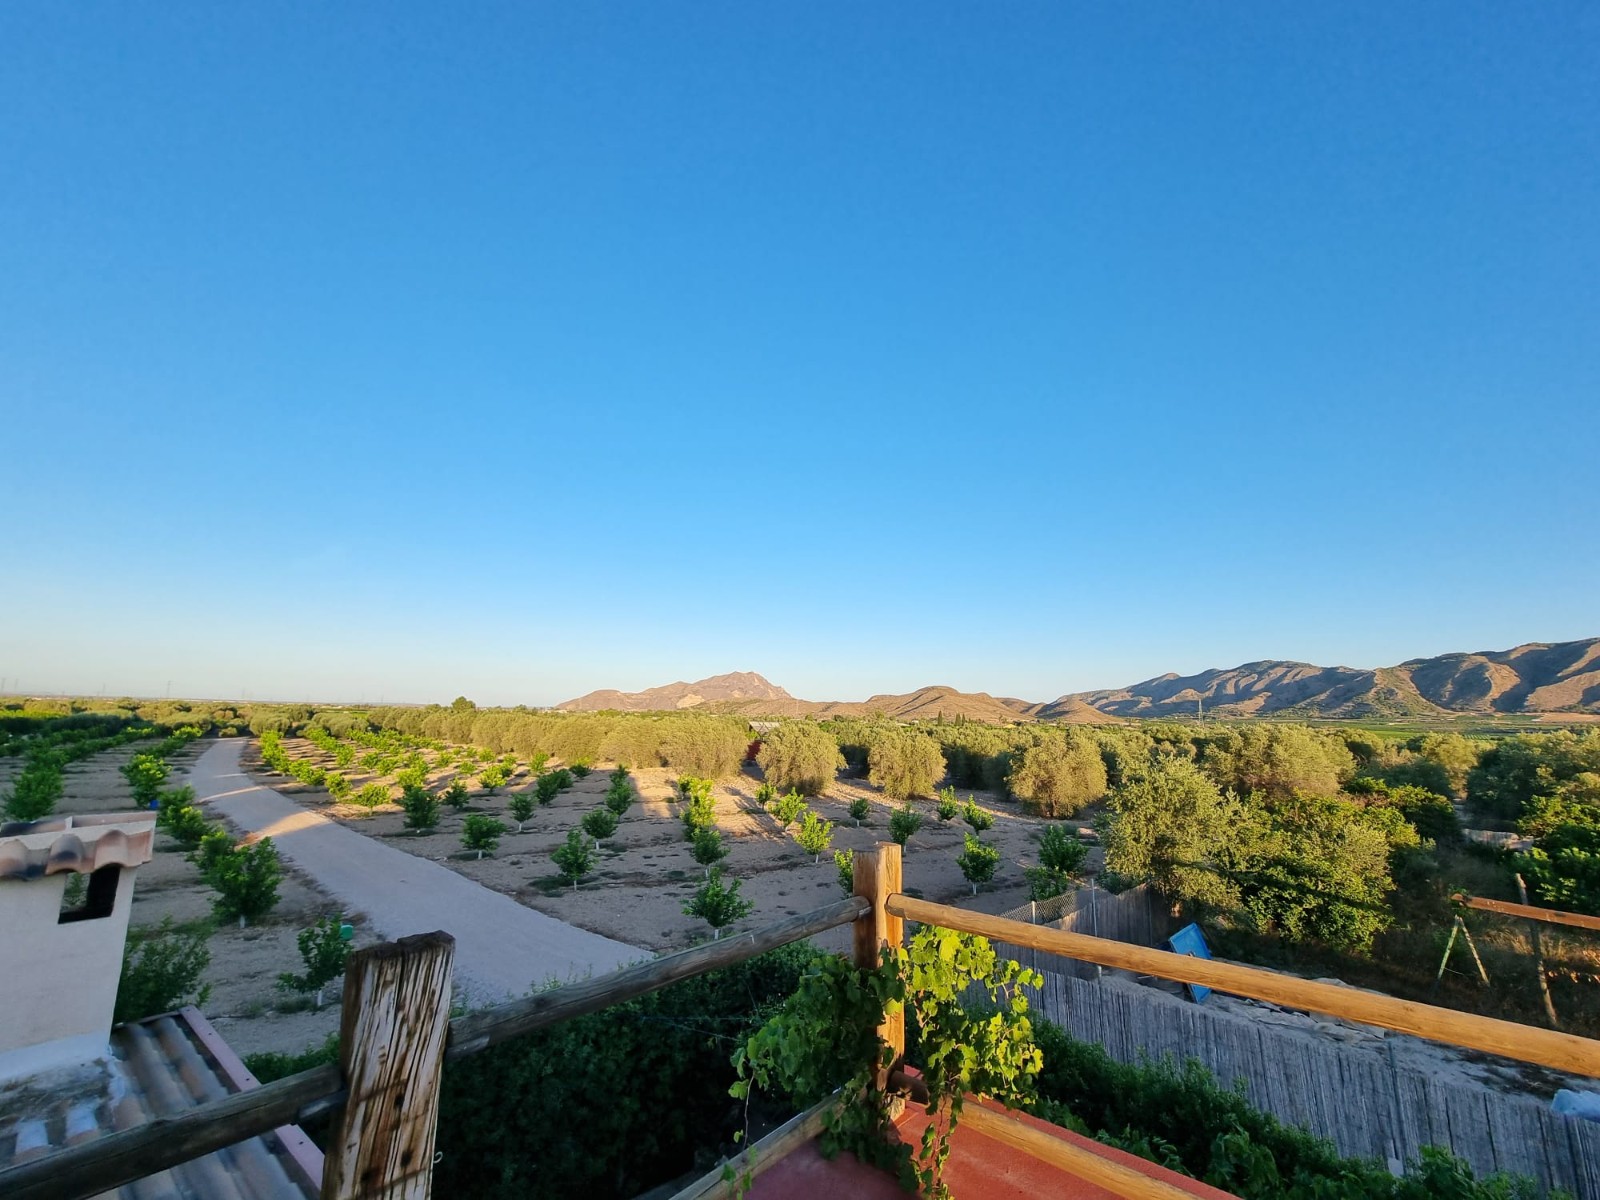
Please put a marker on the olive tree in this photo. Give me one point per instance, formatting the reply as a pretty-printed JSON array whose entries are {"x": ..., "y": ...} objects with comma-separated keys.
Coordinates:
[{"x": 799, "y": 756}]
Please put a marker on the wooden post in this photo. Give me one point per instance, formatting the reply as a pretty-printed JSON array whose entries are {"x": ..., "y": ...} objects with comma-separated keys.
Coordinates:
[
  {"x": 1538, "y": 959},
  {"x": 877, "y": 877},
  {"x": 391, "y": 1050}
]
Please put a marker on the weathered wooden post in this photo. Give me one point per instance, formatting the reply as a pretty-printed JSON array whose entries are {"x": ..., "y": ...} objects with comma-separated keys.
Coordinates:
[
  {"x": 877, "y": 877},
  {"x": 391, "y": 1050}
]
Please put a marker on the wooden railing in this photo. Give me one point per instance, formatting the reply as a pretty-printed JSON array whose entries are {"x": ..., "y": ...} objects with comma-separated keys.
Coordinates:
[{"x": 399, "y": 993}]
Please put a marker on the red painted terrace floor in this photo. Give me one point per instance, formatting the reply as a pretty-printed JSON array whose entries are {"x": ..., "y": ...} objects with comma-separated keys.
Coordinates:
[{"x": 979, "y": 1168}]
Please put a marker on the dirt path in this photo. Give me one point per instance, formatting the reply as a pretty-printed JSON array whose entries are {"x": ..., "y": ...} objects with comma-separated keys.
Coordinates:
[{"x": 502, "y": 948}]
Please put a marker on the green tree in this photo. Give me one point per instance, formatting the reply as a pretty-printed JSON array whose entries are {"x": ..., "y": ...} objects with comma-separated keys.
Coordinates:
[
  {"x": 546, "y": 787},
  {"x": 860, "y": 807},
  {"x": 575, "y": 857},
  {"x": 338, "y": 785},
  {"x": 456, "y": 795},
  {"x": 845, "y": 860},
  {"x": 492, "y": 777},
  {"x": 787, "y": 808},
  {"x": 709, "y": 847},
  {"x": 1172, "y": 825},
  {"x": 521, "y": 805},
  {"x": 145, "y": 774},
  {"x": 980, "y": 819},
  {"x": 161, "y": 971},
  {"x": 245, "y": 876},
  {"x": 1563, "y": 868},
  {"x": 323, "y": 951},
  {"x": 814, "y": 835},
  {"x": 1059, "y": 775},
  {"x": 1277, "y": 759},
  {"x": 600, "y": 823},
  {"x": 372, "y": 795},
  {"x": 421, "y": 807},
  {"x": 904, "y": 763},
  {"x": 481, "y": 832},
  {"x": 949, "y": 806},
  {"x": 36, "y": 791},
  {"x": 718, "y": 903},
  {"x": 799, "y": 756},
  {"x": 978, "y": 862},
  {"x": 904, "y": 822}
]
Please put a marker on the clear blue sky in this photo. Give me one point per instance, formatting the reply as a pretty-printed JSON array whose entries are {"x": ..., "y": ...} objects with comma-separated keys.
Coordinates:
[{"x": 404, "y": 350}]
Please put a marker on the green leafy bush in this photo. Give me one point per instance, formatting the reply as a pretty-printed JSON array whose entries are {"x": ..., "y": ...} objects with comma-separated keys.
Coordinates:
[
  {"x": 338, "y": 786},
  {"x": 860, "y": 808},
  {"x": 981, "y": 819},
  {"x": 245, "y": 876},
  {"x": 904, "y": 822},
  {"x": 456, "y": 795},
  {"x": 372, "y": 795},
  {"x": 845, "y": 861},
  {"x": 600, "y": 823},
  {"x": 547, "y": 787},
  {"x": 718, "y": 903},
  {"x": 145, "y": 774},
  {"x": 421, "y": 807},
  {"x": 814, "y": 835},
  {"x": 36, "y": 791},
  {"x": 700, "y": 813},
  {"x": 268, "y": 1065},
  {"x": 949, "y": 806},
  {"x": 323, "y": 951},
  {"x": 904, "y": 763},
  {"x": 481, "y": 832},
  {"x": 619, "y": 796},
  {"x": 787, "y": 809},
  {"x": 765, "y": 794},
  {"x": 709, "y": 847},
  {"x": 161, "y": 971},
  {"x": 492, "y": 777},
  {"x": 521, "y": 806},
  {"x": 581, "y": 767},
  {"x": 978, "y": 862},
  {"x": 1060, "y": 850},
  {"x": 575, "y": 857},
  {"x": 180, "y": 819}
]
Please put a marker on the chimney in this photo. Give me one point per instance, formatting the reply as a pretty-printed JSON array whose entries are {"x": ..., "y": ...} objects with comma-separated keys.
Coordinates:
[{"x": 61, "y": 965}]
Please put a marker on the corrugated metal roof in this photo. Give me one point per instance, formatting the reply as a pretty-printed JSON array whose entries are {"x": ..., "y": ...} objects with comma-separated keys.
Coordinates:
[{"x": 159, "y": 1067}]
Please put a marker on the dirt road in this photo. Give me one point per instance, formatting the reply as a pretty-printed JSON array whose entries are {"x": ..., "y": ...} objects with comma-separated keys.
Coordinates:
[{"x": 502, "y": 948}]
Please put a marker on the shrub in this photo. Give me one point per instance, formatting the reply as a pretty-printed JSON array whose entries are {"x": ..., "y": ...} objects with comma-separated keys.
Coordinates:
[
  {"x": 36, "y": 791},
  {"x": 372, "y": 795},
  {"x": 787, "y": 808},
  {"x": 268, "y": 1065},
  {"x": 323, "y": 950},
  {"x": 412, "y": 777},
  {"x": 161, "y": 971},
  {"x": 814, "y": 835},
  {"x": 845, "y": 860},
  {"x": 1045, "y": 884},
  {"x": 600, "y": 823},
  {"x": 949, "y": 807},
  {"x": 980, "y": 819},
  {"x": 481, "y": 832},
  {"x": 765, "y": 794},
  {"x": 338, "y": 786},
  {"x": 521, "y": 806},
  {"x": 699, "y": 813},
  {"x": 421, "y": 806},
  {"x": 180, "y": 819},
  {"x": 492, "y": 777},
  {"x": 904, "y": 763},
  {"x": 563, "y": 777},
  {"x": 575, "y": 857},
  {"x": 145, "y": 774},
  {"x": 904, "y": 822},
  {"x": 799, "y": 756},
  {"x": 1060, "y": 849},
  {"x": 1059, "y": 775},
  {"x": 246, "y": 876},
  {"x": 860, "y": 807},
  {"x": 456, "y": 795},
  {"x": 718, "y": 904},
  {"x": 546, "y": 787},
  {"x": 709, "y": 847},
  {"x": 978, "y": 862},
  {"x": 619, "y": 796},
  {"x": 581, "y": 767}
]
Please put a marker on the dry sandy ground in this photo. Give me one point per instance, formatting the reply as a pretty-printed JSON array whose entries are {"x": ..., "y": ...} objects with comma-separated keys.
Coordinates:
[
  {"x": 245, "y": 1001},
  {"x": 645, "y": 873}
]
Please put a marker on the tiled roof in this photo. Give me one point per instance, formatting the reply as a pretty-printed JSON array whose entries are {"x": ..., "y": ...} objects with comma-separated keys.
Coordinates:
[
  {"x": 29, "y": 849},
  {"x": 159, "y": 1067}
]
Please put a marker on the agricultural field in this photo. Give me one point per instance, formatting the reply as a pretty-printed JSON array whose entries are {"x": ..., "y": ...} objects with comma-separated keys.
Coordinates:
[
  {"x": 244, "y": 1001},
  {"x": 645, "y": 872}
]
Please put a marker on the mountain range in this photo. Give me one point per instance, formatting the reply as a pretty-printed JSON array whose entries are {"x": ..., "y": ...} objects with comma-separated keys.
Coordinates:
[{"x": 1534, "y": 678}]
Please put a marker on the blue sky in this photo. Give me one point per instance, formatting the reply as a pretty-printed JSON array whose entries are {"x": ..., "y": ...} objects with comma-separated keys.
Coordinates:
[{"x": 387, "y": 350}]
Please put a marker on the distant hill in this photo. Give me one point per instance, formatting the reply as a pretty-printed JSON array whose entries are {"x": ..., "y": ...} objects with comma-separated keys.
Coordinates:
[
  {"x": 1538, "y": 677},
  {"x": 738, "y": 685}
]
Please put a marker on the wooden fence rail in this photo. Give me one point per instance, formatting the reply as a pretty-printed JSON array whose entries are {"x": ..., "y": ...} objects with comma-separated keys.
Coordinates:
[{"x": 1561, "y": 1051}]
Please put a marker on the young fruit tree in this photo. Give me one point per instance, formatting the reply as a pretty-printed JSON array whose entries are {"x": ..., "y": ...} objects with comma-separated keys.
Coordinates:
[
  {"x": 619, "y": 796},
  {"x": 36, "y": 791},
  {"x": 766, "y": 794},
  {"x": 492, "y": 777},
  {"x": 904, "y": 822},
  {"x": 145, "y": 774},
  {"x": 481, "y": 832},
  {"x": 709, "y": 847},
  {"x": 245, "y": 876},
  {"x": 546, "y": 787},
  {"x": 860, "y": 807},
  {"x": 338, "y": 785},
  {"x": 600, "y": 823},
  {"x": 788, "y": 807},
  {"x": 845, "y": 860},
  {"x": 1060, "y": 850},
  {"x": 372, "y": 795},
  {"x": 161, "y": 971},
  {"x": 980, "y": 819},
  {"x": 718, "y": 904},
  {"x": 948, "y": 805},
  {"x": 520, "y": 806},
  {"x": 700, "y": 813},
  {"x": 814, "y": 835},
  {"x": 456, "y": 795},
  {"x": 422, "y": 808},
  {"x": 575, "y": 857},
  {"x": 323, "y": 950},
  {"x": 978, "y": 862}
]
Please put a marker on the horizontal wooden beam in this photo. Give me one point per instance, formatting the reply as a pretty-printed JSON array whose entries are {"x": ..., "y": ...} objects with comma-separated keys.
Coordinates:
[
  {"x": 1548, "y": 1048},
  {"x": 768, "y": 1152},
  {"x": 108, "y": 1162},
  {"x": 1550, "y": 916},
  {"x": 476, "y": 1031}
]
